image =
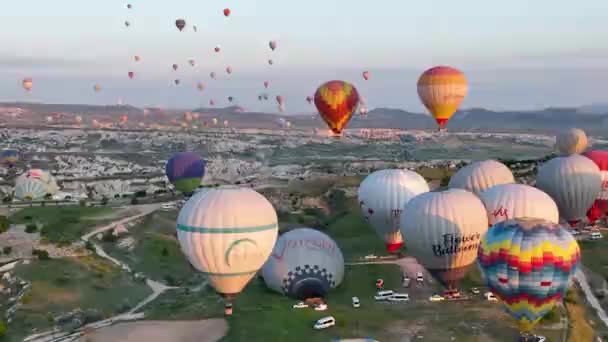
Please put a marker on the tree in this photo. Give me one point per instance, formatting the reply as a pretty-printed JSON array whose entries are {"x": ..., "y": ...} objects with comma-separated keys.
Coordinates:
[
  {"x": 164, "y": 252},
  {"x": 7, "y": 199},
  {"x": 83, "y": 202},
  {"x": 5, "y": 224},
  {"x": 7, "y": 250},
  {"x": 445, "y": 181},
  {"x": 31, "y": 228},
  {"x": 41, "y": 254},
  {"x": 134, "y": 201},
  {"x": 108, "y": 236},
  {"x": 104, "y": 200},
  {"x": 89, "y": 245},
  {"x": 3, "y": 329}
]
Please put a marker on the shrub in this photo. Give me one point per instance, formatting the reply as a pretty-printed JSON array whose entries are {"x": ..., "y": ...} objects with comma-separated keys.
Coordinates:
[
  {"x": 104, "y": 200},
  {"x": 42, "y": 255},
  {"x": 3, "y": 329},
  {"x": 89, "y": 245},
  {"x": 7, "y": 250},
  {"x": 31, "y": 228},
  {"x": 571, "y": 297},
  {"x": 445, "y": 181},
  {"x": 108, "y": 236},
  {"x": 5, "y": 224},
  {"x": 164, "y": 252}
]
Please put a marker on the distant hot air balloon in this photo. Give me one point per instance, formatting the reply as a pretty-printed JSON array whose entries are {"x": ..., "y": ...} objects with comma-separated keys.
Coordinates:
[
  {"x": 309, "y": 99},
  {"x": 176, "y": 82},
  {"x": 27, "y": 84},
  {"x": 482, "y": 175},
  {"x": 305, "y": 263},
  {"x": 363, "y": 111},
  {"x": 282, "y": 107},
  {"x": 217, "y": 48},
  {"x": 185, "y": 170},
  {"x": 443, "y": 231},
  {"x": 200, "y": 86},
  {"x": 571, "y": 141},
  {"x": 227, "y": 12},
  {"x": 211, "y": 102},
  {"x": 129, "y": 6},
  {"x": 131, "y": 74},
  {"x": 212, "y": 75},
  {"x": 270, "y": 62},
  {"x": 97, "y": 88},
  {"x": 509, "y": 201},
  {"x": 187, "y": 116},
  {"x": 175, "y": 67},
  {"x": 528, "y": 264},
  {"x": 266, "y": 84},
  {"x": 227, "y": 233},
  {"x": 280, "y": 99},
  {"x": 137, "y": 58},
  {"x": 600, "y": 158},
  {"x": 272, "y": 44},
  {"x": 78, "y": 119},
  {"x": 127, "y": 23},
  {"x": 192, "y": 62},
  {"x": 9, "y": 157},
  {"x": 442, "y": 89},
  {"x": 230, "y": 98},
  {"x": 382, "y": 196},
  {"x": 336, "y": 101},
  {"x": 574, "y": 182},
  {"x": 123, "y": 119},
  {"x": 194, "y": 28},
  {"x": 366, "y": 75},
  {"x": 229, "y": 70},
  {"x": 214, "y": 120},
  {"x": 226, "y": 123},
  {"x": 180, "y": 23}
]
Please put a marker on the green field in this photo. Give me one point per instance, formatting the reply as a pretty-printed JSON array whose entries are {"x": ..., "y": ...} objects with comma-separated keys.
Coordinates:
[
  {"x": 62, "y": 285},
  {"x": 62, "y": 225}
]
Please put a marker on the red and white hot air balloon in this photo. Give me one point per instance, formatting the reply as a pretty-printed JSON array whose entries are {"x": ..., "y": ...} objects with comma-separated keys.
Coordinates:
[{"x": 600, "y": 206}]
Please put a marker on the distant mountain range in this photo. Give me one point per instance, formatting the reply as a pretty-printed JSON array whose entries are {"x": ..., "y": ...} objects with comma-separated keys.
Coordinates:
[{"x": 593, "y": 118}]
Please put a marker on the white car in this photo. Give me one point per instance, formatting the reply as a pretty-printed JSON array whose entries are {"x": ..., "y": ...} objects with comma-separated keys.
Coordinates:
[
  {"x": 419, "y": 277},
  {"x": 325, "y": 323},
  {"x": 370, "y": 257},
  {"x": 321, "y": 307},
  {"x": 300, "y": 305},
  {"x": 356, "y": 302},
  {"x": 540, "y": 338},
  {"x": 383, "y": 295},
  {"x": 491, "y": 297},
  {"x": 596, "y": 236},
  {"x": 475, "y": 290},
  {"x": 436, "y": 298},
  {"x": 399, "y": 297}
]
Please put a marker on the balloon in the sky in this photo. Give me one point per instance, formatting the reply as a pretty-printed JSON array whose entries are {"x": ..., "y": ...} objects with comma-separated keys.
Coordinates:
[
  {"x": 600, "y": 158},
  {"x": 227, "y": 12},
  {"x": 266, "y": 84},
  {"x": 366, "y": 75},
  {"x": 211, "y": 102},
  {"x": 131, "y": 74},
  {"x": 280, "y": 99},
  {"x": 78, "y": 119},
  {"x": 282, "y": 107},
  {"x": 528, "y": 264},
  {"x": 217, "y": 48},
  {"x": 382, "y": 196},
  {"x": 124, "y": 119},
  {"x": 229, "y": 70},
  {"x": 180, "y": 23},
  {"x": 200, "y": 86},
  {"x": 442, "y": 89},
  {"x": 192, "y": 62},
  {"x": 129, "y": 6},
  {"x": 214, "y": 121},
  {"x": 336, "y": 101},
  {"x": 27, "y": 84},
  {"x": 175, "y": 66},
  {"x": 574, "y": 182},
  {"x": 309, "y": 99},
  {"x": 176, "y": 82},
  {"x": 482, "y": 175},
  {"x": 97, "y": 88},
  {"x": 443, "y": 230},
  {"x": 305, "y": 263},
  {"x": 272, "y": 44},
  {"x": 137, "y": 58},
  {"x": 9, "y": 157},
  {"x": 226, "y": 123},
  {"x": 194, "y": 28},
  {"x": 185, "y": 170},
  {"x": 270, "y": 62},
  {"x": 509, "y": 201},
  {"x": 230, "y": 98},
  {"x": 571, "y": 141},
  {"x": 212, "y": 75},
  {"x": 127, "y": 24},
  {"x": 227, "y": 233}
]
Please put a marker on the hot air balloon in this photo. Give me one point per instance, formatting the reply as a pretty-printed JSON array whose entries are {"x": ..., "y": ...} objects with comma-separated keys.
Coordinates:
[
  {"x": 211, "y": 102},
  {"x": 280, "y": 99},
  {"x": 137, "y": 58},
  {"x": 571, "y": 141},
  {"x": 217, "y": 48},
  {"x": 227, "y": 12},
  {"x": 192, "y": 62},
  {"x": 282, "y": 108},
  {"x": 97, "y": 88},
  {"x": 27, "y": 84},
  {"x": 227, "y": 233},
  {"x": 272, "y": 44},
  {"x": 229, "y": 70},
  {"x": 442, "y": 89},
  {"x": 574, "y": 182},
  {"x": 382, "y": 196},
  {"x": 176, "y": 82},
  {"x": 194, "y": 28},
  {"x": 482, "y": 175},
  {"x": 600, "y": 206},
  {"x": 129, "y": 6},
  {"x": 363, "y": 111},
  {"x": 230, "y": 98},
  {"x": 270, "y": 62},
  {"x": 9, "y": 157},
  {"x": 212, "y": 75},
  {"x": 366, "y": 75},
  {"x": 304, "y": 263},
  {"x": 175, "y": 67},
  {"x": 443, "y": 231},
  {"x": 509, "y": 201},
  {"x": 336, "y": 101},
  {"x": 200, "y": 86},
  {"x": 124, "y": 119},
  {"x": 528, "y": 264},
  {"x": 266, "y": 84},
  {"x": 309, "y": 99},
  {"x": 78, "y": 119},
  {"x": 35, "y": 184},
  {"x": 226, "y": 123},
  {"x": 185, "y": 170},
  {"x": 214, "y": 121},
  {"x": 131, "y": 74},
  {"x": 127, "y": 24},
  {"x": 180, "y": 24}
]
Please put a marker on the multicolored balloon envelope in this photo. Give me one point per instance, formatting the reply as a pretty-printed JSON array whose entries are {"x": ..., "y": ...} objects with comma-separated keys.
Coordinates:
[
  {"x": 442, "y": 89},
  {"x": 185, "y": 171},
  {"x": 528, "y": 265},
  {"x": 336, "y": 101},
  {"x": 9, "y": 157},
  {"x": 304, "y": 263}
]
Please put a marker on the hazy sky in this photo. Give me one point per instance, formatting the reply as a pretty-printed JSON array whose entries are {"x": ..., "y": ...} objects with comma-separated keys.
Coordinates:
[{"x": 517, "y": 54}]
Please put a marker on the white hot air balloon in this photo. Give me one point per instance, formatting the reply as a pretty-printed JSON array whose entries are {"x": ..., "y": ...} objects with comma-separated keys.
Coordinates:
[
  {"x": 227, "y": 233},
  {"x": 574, "y": 182},
  {"x": 382, "y": 196},
  {"x": 443, "y": 231},
  {"x": 35, "y": 184},
  {"x": 214, "y": 121},
  {"x": 480, "y": 176},
  {"x": 510, "y": 201},
  {"x": 304, "y": 263},
  {"x": 571, "y": 141},
  {"x": 226, "y": 123}
]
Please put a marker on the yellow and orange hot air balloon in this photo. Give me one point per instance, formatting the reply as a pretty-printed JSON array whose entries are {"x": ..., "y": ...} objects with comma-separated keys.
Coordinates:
[
  {"x": 336, "y": 102},
  {"x": 97, "y": 88},
  {"x": 442, "y": 89},
  {"x": 27, "y": 84}
]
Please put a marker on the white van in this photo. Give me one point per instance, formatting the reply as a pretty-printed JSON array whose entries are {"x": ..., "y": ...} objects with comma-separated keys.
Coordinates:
[
  {"x": 595, "y": 235},
  {"x": 399, "y": 297},
  {"x": 325, "y": 323},
  {"x": 383, "y": 295}
]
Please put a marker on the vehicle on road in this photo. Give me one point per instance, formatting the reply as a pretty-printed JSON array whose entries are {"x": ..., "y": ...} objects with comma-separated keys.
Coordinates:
[
  {"x": 370, "y": 257},
  {"x": 406, "y": 281},
  {"x": 475, "y": 290},
  {"x": 595, "y": 236},
  {"x": 356, "y": 302},
  {"x": 436, "y": 298},
  {"x": 325, "y": 323},
  {"x": 490, "y": 296},
  {"x": 321, "y": 307},
  {"x": 383, "y": 295},
  {"x": 300, "y": 305},
  {"x": 399, "y": 297}
]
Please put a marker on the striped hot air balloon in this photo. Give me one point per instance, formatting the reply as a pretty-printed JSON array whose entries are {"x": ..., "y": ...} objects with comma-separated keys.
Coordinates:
[
  {"x": 442, "y": 89},
  {"x": 528, "y": 265},
  {"x": 185, "y": 170},
  {"x": 482, "y": 175},
  {"x": 336, "y": 102}
]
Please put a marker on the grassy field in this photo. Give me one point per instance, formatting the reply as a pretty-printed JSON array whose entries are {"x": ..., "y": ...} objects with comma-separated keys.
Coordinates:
[
  {"x": 62, "y": 225},
  {"x": 62, "y": 285}
]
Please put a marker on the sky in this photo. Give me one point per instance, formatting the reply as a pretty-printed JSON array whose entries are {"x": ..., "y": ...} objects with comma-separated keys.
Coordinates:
[{"x": 517, "y": 54}]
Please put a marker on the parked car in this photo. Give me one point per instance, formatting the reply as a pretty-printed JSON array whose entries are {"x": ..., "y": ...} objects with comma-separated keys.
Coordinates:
[
  {"x": 325, "y": 323},
  {"x": 475, "y": 290},
  {"x": 356, "y": 302},
  {"x": 595, "y": 236},
  {"x": 370, "y": 257},
  {"x": 490, "y": 296},
  {"x": 383, "y": 295},
  {"x": 419, "y": 277},
  {"x": 436, "y": 298},
  {"x": 300, "y": 305},
  {"x": 406, "y": 281},
  {"x": 321, "y": 307},
  {"x": 399, "y": 297}
]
